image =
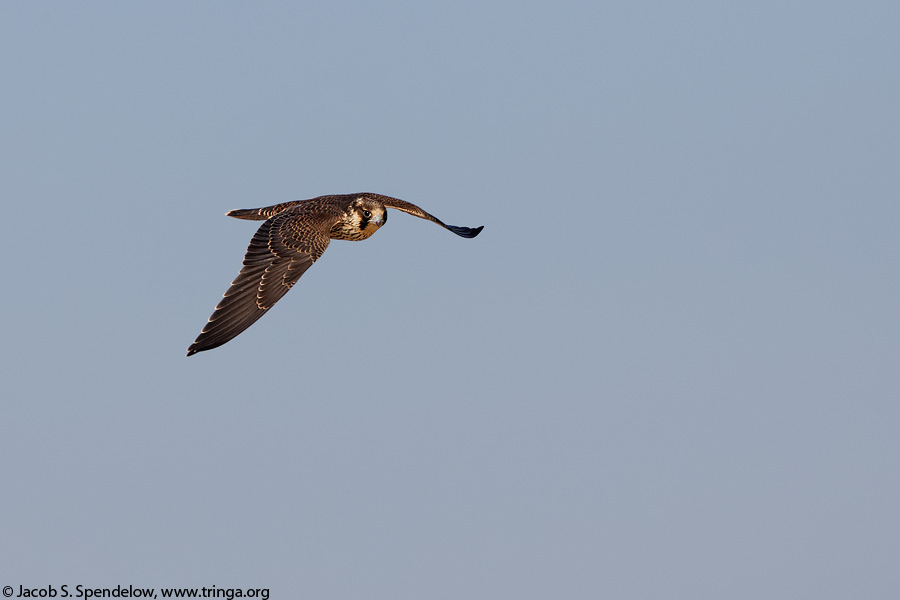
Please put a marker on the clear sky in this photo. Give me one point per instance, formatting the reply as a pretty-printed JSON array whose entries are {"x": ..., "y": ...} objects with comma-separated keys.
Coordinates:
[{"x": 667, "y": 368}]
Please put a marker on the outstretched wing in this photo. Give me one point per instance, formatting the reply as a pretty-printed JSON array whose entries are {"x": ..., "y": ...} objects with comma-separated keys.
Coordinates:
[
  {"x": 282, "y": 249},
  {"x": 466, "y": 232}
]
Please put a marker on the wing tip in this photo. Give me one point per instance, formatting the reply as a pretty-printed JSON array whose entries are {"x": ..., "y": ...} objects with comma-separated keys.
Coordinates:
[
  {"x": 198, "y": 347},
  {"x": 466, "y": 232}
]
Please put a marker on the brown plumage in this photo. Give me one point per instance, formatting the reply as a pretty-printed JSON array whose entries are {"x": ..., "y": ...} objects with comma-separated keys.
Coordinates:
[{"x": 293, "y": 237}]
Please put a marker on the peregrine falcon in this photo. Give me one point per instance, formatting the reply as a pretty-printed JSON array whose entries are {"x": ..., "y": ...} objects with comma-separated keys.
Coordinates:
[{"x": 293, "y": 237}]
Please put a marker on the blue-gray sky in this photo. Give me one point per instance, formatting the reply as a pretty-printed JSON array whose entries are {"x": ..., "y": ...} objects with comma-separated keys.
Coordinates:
[{"x": 668, "y": 367}]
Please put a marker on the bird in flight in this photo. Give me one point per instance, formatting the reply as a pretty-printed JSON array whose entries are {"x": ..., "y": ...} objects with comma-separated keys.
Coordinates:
[{"x": 293, "y": 237}]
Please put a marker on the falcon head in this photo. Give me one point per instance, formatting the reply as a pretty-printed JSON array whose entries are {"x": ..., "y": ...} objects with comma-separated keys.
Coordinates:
[{"x": 364, "y": 217}]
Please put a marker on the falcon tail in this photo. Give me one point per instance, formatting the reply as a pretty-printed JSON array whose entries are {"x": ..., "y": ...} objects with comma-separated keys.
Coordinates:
[
  {"x": 261, "y": 214},
  {"x": 251, "y": 214}
]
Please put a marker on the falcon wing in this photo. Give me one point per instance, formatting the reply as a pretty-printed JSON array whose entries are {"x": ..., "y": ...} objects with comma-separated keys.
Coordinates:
[
  {"x": 466, "y": 232},
  {"x": 282, "y": 249}
]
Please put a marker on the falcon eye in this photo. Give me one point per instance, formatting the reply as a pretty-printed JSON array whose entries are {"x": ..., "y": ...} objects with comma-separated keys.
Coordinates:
[{"x": 367, "y": 214}]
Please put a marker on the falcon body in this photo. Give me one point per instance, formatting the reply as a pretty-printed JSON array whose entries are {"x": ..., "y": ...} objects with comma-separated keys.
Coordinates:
[{"x": 293, "y": 236}]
